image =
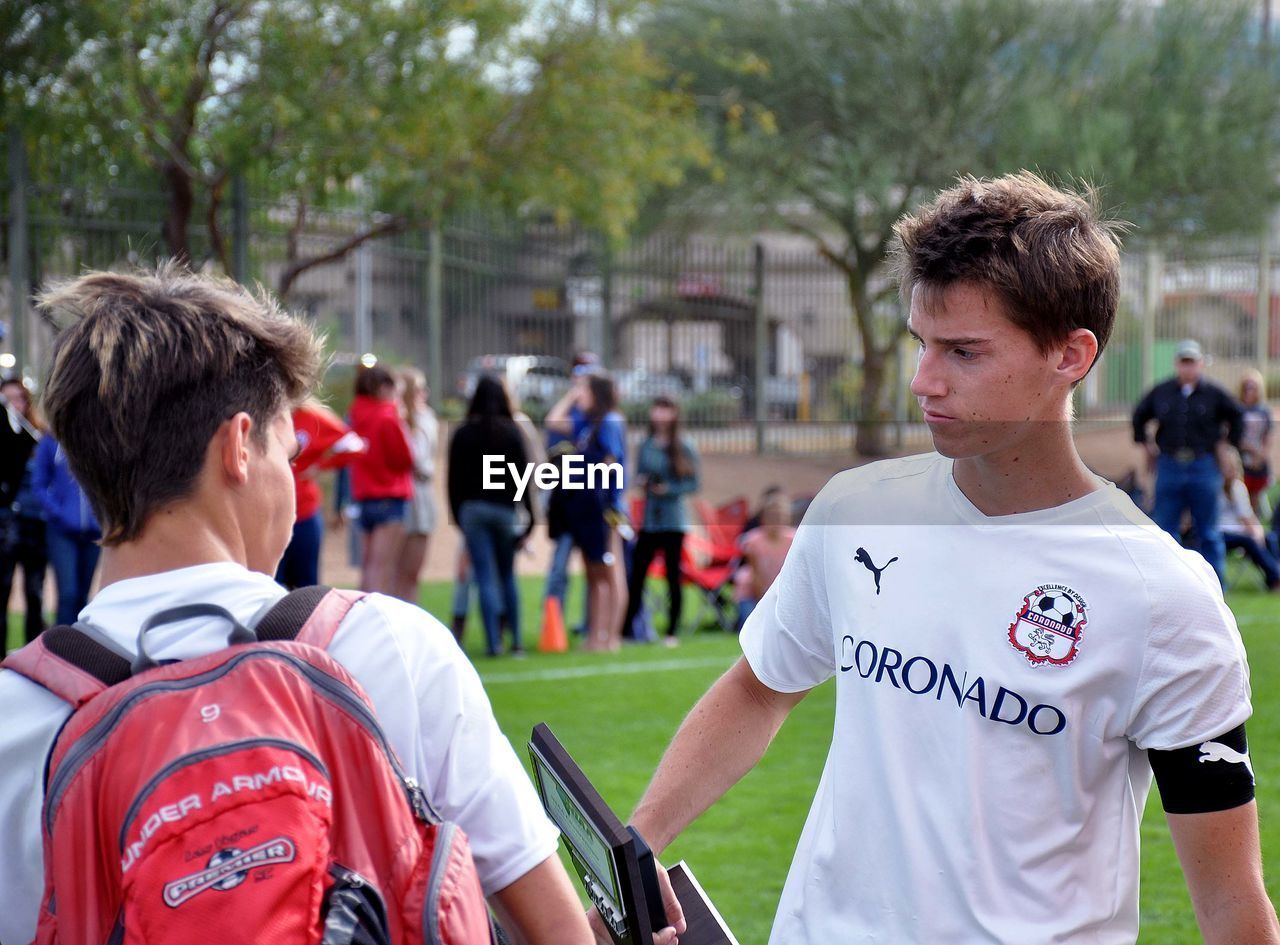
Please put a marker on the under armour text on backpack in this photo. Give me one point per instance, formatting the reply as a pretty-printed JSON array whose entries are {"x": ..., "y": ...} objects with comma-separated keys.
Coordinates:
[{"x": 245, "y": 796}]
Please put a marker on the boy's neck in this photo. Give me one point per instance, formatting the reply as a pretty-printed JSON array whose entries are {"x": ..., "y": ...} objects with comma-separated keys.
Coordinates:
[
  {"x": 1041, "y": 472},
  {"x": 169, "y": 543}
]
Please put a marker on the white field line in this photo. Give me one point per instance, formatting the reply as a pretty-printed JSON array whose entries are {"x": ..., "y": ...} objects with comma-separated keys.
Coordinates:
[{"x": 615, "y": 669}]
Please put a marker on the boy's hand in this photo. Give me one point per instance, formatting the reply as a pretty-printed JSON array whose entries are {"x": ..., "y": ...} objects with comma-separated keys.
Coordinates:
[{"x": 670, "y": 904}]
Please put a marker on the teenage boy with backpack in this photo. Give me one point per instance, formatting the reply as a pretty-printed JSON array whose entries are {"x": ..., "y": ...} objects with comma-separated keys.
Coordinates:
[{"x": 171, "y": 394}]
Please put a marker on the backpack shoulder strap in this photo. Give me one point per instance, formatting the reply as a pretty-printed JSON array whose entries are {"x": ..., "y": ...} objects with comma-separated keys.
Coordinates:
[
  {"x": 71, "y": 664},
  {"x": 309, "y": 615}
]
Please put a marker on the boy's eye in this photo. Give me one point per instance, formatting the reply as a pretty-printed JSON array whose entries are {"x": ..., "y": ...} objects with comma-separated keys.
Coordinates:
[{"x": 964, "y": 354}]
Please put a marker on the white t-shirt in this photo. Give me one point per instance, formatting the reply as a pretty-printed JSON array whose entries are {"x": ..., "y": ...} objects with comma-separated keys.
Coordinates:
[
  {"x": 1235, "y": 511},
  {"x": 426, "y": 694},
  {"x": 987, "y": 773}
]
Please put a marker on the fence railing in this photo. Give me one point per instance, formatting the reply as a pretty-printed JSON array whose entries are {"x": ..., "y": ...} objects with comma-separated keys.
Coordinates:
[{"x": 742, "y": 330}]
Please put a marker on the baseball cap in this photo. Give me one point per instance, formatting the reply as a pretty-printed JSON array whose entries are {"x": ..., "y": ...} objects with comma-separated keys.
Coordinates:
[{"x": 1189, "y": 350}]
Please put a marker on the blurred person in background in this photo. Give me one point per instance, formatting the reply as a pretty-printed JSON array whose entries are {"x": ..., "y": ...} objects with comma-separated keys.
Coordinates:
[
  {"x": 71, "y": 529},
  {"x": 487, "y": 517},
  {"x": 324, "y": 442},
  {"x": 22, "y": 534},
  {"x": 1193, "y": 415},
  {"x": 764, "y": 549},
  {"x": 1239, "y": 525},
  {"x": 1255, "y": 439},
  {"x": 587, "y": 415},
  {"x": 424, "y": 432},
  {"x": 666, "y": 470},
  {"x": 381, "y": 477},
  {"x": 584, "y": 363}
]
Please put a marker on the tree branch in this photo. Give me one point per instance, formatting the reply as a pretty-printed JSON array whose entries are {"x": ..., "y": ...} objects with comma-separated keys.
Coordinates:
[
  {"x": 298, "y": 266},
  {"x": 295, "y": 232},
  {"x": 219, "y": 18},
  {"x": 217, "y": 187}
]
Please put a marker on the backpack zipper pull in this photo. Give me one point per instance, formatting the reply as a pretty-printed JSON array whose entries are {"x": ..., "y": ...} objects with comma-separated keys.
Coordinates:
[{"x": 417, "y": 799}]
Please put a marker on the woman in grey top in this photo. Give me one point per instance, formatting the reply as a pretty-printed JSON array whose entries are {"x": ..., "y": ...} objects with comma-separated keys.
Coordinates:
[
  {"x": 422, "y": 428},
  {"x": 667, "y": 470}
]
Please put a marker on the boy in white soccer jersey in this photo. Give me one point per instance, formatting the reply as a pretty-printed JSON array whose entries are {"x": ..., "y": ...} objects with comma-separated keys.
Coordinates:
[
  {"x": 171, "y": 395},
  {"x": 1015, "y": 646}
]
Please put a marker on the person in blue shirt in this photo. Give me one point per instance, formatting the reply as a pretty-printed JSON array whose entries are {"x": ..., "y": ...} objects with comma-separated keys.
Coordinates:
[
  {"x": 584, "y": 363},
  {"x": 71, "y": 529},
  {"x": 587, "y": 414},
  {"x": 667, "y": 470}
]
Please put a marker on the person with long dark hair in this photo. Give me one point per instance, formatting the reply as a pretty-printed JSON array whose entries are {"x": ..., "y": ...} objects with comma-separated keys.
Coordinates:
[
  {"x": 667, "y": 471},
  {"x": 22, "y": 534},
  {"x": 588, "y": 414},
  {"x": 487, "y": 517}
]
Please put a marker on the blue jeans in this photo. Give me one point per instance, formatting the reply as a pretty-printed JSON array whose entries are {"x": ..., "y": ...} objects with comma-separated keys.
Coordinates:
[
  {"x": 1256, "y": 553},
  {"x": 1194, "y": 486},
  {"x": 300, "y": 566},
  {"x": 558, "y": 575},
  {"x": 490, "y": 533},
  {"x": 74, "y": 555},
  {"x": 375, "y": 512}
]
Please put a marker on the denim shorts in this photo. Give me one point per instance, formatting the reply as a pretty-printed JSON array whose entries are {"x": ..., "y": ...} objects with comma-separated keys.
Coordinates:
[{"x": 375, "y": 512}]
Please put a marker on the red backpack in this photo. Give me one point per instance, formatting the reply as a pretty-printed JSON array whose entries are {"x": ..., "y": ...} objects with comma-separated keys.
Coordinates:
[{"x": 245, "y": 796}]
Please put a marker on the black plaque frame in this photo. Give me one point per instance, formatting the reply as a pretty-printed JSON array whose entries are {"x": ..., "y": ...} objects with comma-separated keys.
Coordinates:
[{"x": 634, "y": 880}]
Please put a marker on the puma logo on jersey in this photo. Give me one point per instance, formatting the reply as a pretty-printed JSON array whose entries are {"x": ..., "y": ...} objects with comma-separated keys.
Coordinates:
[
  {"x": 1216, "y": 751},
  {"x": 867, "y": 563}
]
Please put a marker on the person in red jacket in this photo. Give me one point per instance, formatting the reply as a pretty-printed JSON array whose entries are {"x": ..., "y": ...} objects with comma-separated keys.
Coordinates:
[
  {"x": 324, "y": 442},
  {"x": 382, "y": 476}
]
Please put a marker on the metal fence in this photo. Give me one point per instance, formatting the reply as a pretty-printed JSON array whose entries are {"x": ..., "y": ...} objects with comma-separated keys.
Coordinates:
[{"x": 754, "y": 335}]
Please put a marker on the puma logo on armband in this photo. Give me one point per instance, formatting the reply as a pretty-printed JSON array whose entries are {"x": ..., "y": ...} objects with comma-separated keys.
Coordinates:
[{"x": 1216, "y": 751}]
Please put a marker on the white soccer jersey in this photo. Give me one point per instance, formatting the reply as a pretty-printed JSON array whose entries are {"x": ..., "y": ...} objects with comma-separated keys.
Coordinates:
[{"x": 998, "y": 680}]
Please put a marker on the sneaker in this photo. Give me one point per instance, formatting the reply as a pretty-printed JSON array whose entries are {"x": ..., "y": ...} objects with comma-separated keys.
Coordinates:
[{"x": 670, "y": 641}]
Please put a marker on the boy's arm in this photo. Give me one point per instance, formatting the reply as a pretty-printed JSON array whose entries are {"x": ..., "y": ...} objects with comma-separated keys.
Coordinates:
[
  {"x": 722, "y": 738},
  {"x": 1222, "y": 863},
  {"x": 541, "y": 907}
]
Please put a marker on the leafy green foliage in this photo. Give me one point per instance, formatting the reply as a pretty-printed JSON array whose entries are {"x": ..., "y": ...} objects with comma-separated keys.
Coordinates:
[
  {"x": 404, "y": 112},
  {"x": 834, "y": 117}
]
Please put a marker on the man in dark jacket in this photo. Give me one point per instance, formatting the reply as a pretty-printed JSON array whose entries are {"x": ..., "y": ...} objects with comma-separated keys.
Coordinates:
[{"x": 1193, "y": 416}]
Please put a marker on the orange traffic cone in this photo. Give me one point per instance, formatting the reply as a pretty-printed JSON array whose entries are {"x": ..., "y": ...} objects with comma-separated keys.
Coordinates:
[{"x": 553, "y": 639}]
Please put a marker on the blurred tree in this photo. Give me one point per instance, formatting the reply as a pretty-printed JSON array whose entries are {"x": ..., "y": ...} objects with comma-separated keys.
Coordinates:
[
  {"x": 834, "y": 117},
  {"x": 404, "y": 111}
]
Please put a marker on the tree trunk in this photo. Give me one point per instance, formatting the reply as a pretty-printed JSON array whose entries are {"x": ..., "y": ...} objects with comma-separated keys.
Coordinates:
[
  {"x": 870, "y": 439},
  {"x": 178, "y": 214}
]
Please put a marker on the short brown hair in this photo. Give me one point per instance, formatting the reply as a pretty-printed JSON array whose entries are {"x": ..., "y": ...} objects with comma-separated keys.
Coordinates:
[
  {"x": 150, "y": 365},
  {"x": 1045, "y": 252}
]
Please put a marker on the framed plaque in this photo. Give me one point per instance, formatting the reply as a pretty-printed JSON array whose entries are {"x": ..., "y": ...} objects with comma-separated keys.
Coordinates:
[{"x": 613, "y": 861}]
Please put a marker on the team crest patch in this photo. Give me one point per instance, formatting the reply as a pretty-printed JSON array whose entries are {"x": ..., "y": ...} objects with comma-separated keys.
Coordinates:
[{"x": 1050, "y": 625}]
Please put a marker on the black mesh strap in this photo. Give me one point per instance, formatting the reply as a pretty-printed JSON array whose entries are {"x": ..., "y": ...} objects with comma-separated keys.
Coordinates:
[
  {"x": 85, "y": 653},
  {"x": 286, "y": 618}
]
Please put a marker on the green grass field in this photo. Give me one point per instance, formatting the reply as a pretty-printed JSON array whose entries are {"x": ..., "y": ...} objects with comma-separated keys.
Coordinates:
[{"x": 616, "y": 714}]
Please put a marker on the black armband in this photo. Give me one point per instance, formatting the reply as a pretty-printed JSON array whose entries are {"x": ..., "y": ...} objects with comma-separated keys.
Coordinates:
[{"x": 1211, "y": 776}]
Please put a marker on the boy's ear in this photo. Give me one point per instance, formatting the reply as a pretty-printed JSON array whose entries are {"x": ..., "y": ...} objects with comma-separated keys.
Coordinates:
[
  {"x": 1078, "y": 355},
  {"x": 233, "y": 447}
]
